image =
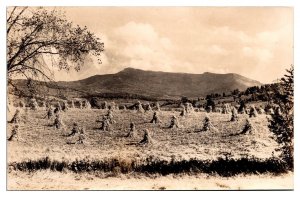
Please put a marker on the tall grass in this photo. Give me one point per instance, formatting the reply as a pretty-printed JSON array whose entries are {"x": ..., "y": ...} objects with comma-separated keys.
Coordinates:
[{"x": 223, "y": 167}]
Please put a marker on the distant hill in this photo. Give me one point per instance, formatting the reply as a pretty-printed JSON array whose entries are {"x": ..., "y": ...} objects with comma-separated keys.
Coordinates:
[{"x": 152, "y": 84}]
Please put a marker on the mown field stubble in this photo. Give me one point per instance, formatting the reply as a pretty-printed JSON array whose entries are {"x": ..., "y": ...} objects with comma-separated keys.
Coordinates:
[{"x": 38, "y": 139}]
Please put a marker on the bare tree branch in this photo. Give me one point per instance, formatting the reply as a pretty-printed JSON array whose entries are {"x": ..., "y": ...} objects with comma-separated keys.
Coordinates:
[{"x": 15, "y": 20}]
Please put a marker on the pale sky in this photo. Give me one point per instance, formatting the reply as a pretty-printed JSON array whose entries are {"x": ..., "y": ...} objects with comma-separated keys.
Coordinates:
[{"x": 256, "y": 42}]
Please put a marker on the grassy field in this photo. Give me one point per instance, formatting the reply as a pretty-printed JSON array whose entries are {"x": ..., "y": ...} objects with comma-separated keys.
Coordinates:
[{"x": 38, "y": 140}]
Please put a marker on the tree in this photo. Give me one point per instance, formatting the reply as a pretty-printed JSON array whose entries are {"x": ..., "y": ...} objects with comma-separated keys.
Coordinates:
[
  {"x": 242, "y": 107},
  {"x": 210, "y": 103},
  {"x": 282, "y": 121},
  {"x": 37, "y": 34}
]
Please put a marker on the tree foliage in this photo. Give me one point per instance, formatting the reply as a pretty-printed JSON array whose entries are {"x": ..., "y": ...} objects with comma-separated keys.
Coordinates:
[
  {"x": 36, "y": 34},
  {"x": 282, "y": 121}
]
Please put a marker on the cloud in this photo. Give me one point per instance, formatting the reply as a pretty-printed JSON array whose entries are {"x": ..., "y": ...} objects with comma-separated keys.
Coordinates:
[
  {"x": 193, "y": 40},
  {"x": 138, "y": 45}
]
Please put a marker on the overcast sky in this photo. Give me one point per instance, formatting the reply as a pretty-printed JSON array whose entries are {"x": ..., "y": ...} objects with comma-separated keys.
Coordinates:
[{"x": 254, "y": 42}]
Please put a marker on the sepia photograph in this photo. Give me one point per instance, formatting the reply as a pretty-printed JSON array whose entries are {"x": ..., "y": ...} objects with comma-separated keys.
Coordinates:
[{"x": 149, "y": 98}]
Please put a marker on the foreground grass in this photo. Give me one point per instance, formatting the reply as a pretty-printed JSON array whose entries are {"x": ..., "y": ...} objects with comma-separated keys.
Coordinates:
[{"x": 49, "y": 180}]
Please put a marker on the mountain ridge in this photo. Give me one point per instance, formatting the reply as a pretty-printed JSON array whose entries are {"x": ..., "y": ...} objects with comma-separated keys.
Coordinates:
[
  {"x": 163, "y": 84},
  {"x": 156, "y": 84}
]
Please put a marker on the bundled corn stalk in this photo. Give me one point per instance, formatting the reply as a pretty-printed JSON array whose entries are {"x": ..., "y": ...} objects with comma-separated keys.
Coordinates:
[
  {"x": 207, "y": 125},
  {"x": 234, "y": 115},
  {"x": 183, "y": 111},
  {"x": 112, "y": 106},
  {"x": 33, "y": 104},
  {"x": 252, "y": 112},
  {"x": 105, "y": 124},
  {"x": 72, "y": 104},
  {"x": 65, "y": 106},
  {"x": 17, "y": 117},
  {"x": 147, "y": 139},
  {"x": 148, "y": 108},
  {"x": 81, "y": 135},
  {"x": 80, "y": 105},
  {"x": 174, "y": 122},
  {"x": 248, "y": 128},
  {"x": 87, "y": 104},
  {"x": 50, "y": 112},
  {"x": 105, "y": 105},
  {"x": 58, "y": 122},
  {"x": 225, "y": 108},
  {"x": 189, "y": 108},
  {"x": 74, "y": 130},
  {"x": 155, "y": 118},
  {"x": 14, "y": 133},
  {"x": 132, "y": 131},
  {"x": 140, "y": 107},
  {"x": 157, "y": 106}
]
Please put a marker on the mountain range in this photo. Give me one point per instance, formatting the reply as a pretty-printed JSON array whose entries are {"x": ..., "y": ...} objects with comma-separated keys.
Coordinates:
[{"x": 154, "y": 84}]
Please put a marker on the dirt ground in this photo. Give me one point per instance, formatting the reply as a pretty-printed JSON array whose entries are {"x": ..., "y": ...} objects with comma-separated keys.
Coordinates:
[{"x": 46, "y": 180}]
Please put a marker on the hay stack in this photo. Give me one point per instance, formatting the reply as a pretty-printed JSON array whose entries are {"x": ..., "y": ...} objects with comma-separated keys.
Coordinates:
[
  {"x": 81, "y": 135},
  {"x": 149, "y": 108},
  {"x": 260, "y": 110},
  {"x": 105, "y": 106},
  {"x": 65, "y": 106},
  {"x": 74, "y": 130},
  {"x": 174, "y": 122},
  {"x": 207, "y": 125},
  {"x": 155, "y": 119},
  {"x": 147, "y": 138},
  {"x": 87, "y": 104},
  {"x": 253, "y": 112},
  {"x": 110, "y": 116},
  {"x": 80, "y": 105},
  {"x": 234, "y": 115},
  {"x": 72, "y": 104},
  {"x": 248, "y": 128},
  {"x": 112, "y": 106},
  {"x": 183, "y": 111},
  {"x": 14, "y": 133},
  {"x": 33, "y": 104},
  {"x": 225, "y": 108},
  {"x": 50, "y": 112},
  {"x": 59, "y": 106},
  {"x": 189, "y": 108},
  {"x": 140, "y": 107},
  {"x": 132, "y": 131},
  {"x": 58, "y": 122},
  {"x": 105, "y": 124},
  {"x": 157, "y": 106},
  {"x": 17, "y": 117}
]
